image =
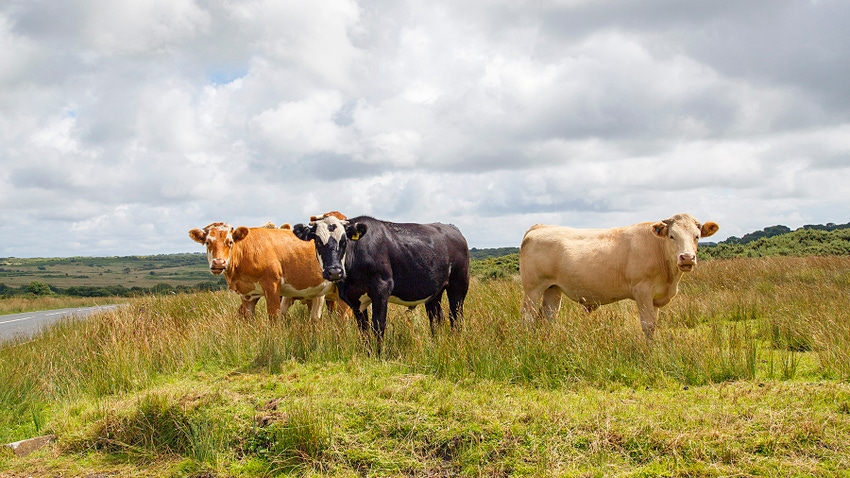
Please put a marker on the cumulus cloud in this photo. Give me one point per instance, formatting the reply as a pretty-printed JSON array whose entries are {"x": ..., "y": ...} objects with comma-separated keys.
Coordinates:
[{"x": 124, "y": 124}]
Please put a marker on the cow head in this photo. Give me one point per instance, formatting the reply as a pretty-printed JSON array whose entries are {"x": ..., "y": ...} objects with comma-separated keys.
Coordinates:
[
  {"x": 219, "y": 238},
  {"x": 331, "y": 236},
  {"x": 683, "y": 233},
  {"x": 336, "y": 214}
]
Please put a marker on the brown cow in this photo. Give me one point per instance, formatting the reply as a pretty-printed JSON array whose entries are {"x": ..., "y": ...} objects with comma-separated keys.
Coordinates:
[
  {"x": 594, "y": 267},
  {"x": 335, "y": 214},
  {"x": 261, "y": 262}
]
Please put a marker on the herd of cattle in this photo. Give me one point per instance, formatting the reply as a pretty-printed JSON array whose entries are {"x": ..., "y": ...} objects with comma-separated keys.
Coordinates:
[{"x": 355, "y": 262}]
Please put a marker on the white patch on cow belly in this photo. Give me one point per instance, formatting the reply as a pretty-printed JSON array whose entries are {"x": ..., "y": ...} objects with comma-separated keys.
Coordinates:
[
  {"x": 396, "y": 300},
  {"x": 254, "y": 294},
  {"x": 287, "y": 290},
  {"x": 365, "y": 301}
]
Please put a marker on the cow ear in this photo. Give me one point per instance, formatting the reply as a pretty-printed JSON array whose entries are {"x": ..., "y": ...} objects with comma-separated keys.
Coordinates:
[
  {"x": 355, "y": 231},
  {"x": 198, "y": 235},
  {"x": 303, "y": 232},
  {"x": 240, "y": 233},
  {"x": 659, "y": 229},
  {"x": 708, "y": 229}
]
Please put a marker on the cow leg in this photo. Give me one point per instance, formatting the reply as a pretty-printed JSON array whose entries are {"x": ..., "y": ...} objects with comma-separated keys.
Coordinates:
[
  {"x": 551, "y": 302},
  {"x": 360, "y": 310},
  {"x": 247, "y": 308},
  {"x": 531, "y": 302},
  {"x": 316, "y": 307},
  {"x": 648, "y": 315},
  {"x": 362, "y": 317},
  {"x": 456, "y": 292},
  {"x": 338, "y": 307},
  {"x": 455, "y": 311},
  {"x": 379, "y": 294},
  {"x": 379, "y": 318},
  {"x": 342, "y": 309},
  {"x": 350, "y": 301},
  {"x": 285, "y": 304},
  {"x": 335, "y": 303},
  {"x": 588, "y": 306},
  {"x": 435, "y": 312},
  {"x": 529, "y": 308},
  {"x": 272, "y": 295}
]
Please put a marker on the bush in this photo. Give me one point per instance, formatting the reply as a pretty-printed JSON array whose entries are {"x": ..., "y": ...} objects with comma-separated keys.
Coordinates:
[{"x": 39, "y": 288}]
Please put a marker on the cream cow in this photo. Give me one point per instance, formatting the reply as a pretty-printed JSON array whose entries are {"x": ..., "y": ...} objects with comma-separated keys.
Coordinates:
[{"x": 594, "y": 267}]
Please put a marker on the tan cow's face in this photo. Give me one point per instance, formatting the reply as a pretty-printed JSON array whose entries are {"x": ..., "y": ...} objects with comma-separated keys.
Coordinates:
[
  {"x": 219, "y": 238},
  {"x": 684, "y": 232}
]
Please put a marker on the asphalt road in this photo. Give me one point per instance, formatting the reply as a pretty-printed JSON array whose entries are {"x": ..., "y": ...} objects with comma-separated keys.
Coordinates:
[{"x": 28, "y": 323}]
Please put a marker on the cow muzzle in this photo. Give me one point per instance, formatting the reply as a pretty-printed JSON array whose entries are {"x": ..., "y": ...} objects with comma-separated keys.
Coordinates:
[
  {"x": 687, "y": 262},
  {"x": 217, "y": 266},
  {"x": 333, "y": 273}
]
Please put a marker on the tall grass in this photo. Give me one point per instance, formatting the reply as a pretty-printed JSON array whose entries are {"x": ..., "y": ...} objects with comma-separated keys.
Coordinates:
[
  {"x": 18, "y": 304},
  {"x": 738, "y": 319}
]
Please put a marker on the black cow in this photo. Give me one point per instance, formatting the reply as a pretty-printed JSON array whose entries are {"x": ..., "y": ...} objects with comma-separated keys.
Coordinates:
[{"x": 377, "y": 262}]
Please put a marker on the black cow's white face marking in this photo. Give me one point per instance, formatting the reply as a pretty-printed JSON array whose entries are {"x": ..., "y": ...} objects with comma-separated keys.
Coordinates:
[
  {"x": 331, "y": 243},
  {"x": 331, "y": 236},
  {"x": 329, "y": 228}
]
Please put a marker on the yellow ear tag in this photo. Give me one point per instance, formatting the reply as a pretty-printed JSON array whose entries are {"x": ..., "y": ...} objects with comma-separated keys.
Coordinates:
[{"x": 356, "y": 236}]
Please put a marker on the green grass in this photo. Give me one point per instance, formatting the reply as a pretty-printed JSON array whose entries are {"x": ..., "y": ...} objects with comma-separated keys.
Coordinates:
[
  {"x": 14, "y": 305},
  {"x": 129, "y": 271},
  {"x": 748, "y": 375}
]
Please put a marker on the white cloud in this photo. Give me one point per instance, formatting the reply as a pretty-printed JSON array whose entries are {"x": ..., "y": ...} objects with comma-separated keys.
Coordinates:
[
  {"x": 115, "y": 28},
  {"x": 309, "y": 36},
  {"x": 161, "y": 116},
  {"x": 16, "y": 55}
]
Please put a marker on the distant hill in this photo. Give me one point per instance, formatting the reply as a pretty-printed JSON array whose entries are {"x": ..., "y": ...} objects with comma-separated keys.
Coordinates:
[
  {"x": 476, "y": 254},
  {"x": 809, "y": 240},
  {"x": 107, "y": 276},
  {"x": 779, "y": 230}
]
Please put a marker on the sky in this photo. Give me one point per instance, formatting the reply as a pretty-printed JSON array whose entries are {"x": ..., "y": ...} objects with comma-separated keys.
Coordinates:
[{"x": 124, "y": 124}]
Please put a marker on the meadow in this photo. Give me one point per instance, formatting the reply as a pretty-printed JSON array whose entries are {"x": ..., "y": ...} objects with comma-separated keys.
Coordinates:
[
  {"x": 749, "y": 375},
  {"x": 114, "y": 274}
]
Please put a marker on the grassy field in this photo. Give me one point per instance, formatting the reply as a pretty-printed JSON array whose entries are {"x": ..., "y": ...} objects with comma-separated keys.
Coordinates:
[
  {"x": 129, "y": 271},
  {"x": 748, "y": 376}
]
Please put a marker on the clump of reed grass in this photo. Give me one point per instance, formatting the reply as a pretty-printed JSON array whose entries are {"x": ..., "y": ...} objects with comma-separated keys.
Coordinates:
[{"x": 294, "y": 437}]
